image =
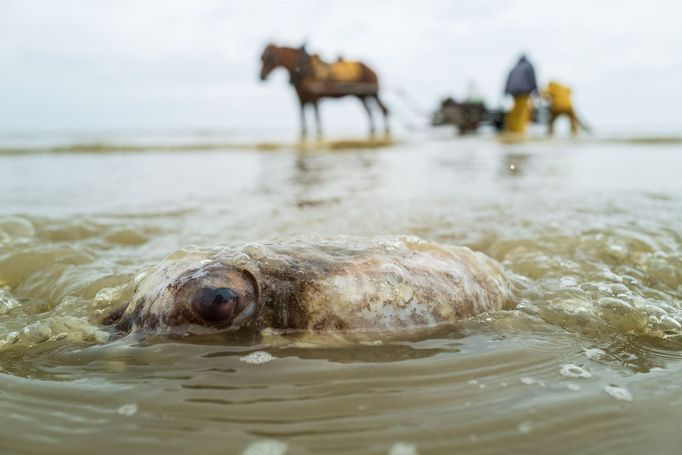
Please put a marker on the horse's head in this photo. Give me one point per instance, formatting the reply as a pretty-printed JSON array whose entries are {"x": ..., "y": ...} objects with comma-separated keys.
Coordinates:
[{"x": 269, "y": 60}]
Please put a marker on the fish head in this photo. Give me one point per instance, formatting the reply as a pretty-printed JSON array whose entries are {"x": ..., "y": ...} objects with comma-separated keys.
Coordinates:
[{"x": 212, "y": 296}]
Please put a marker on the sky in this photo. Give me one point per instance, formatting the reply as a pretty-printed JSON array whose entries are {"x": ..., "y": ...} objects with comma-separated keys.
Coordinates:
[{"x": 166, "y": 64}]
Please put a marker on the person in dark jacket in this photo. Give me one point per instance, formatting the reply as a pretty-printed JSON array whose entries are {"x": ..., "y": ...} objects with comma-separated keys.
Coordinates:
[{"x": 520, "y": 84}]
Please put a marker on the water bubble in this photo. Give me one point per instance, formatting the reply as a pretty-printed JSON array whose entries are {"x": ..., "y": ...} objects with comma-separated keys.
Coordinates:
[
  {"x": 574, "y": 371},
  {"x": 568, "y": 281},
  {"x": 128, "y": 410},
  {"x": 619, "y": 393},
  {"x": 241, "y": 259},
  {"x": 393, "y": 275},
  {"x": 7, "y": 301},
  {"x": 530, "y": 381},
  {"x": 139, "y": 277},
  {"x": 617, "y": 251},
  {"x": 37, "y": 332},
  {"x": 267, "y": 447},
  {"x": 390, "y": 244},
  {"x": 255, "y": 250},
  {"x": 527, "y": 307},
  {"x": 525, "y": 427},
  {"x": 256, "y": 358},
  {"x": 59, "y": 337},
  {"x": 101, "y": 336},
  {"x": 615, "y": 305},
  {"x": 11, "y": 338},
  {"x": 107, "y": 295},
  {"x": 276, "y": 263},
  {"x": 403, "y": 448},
  {"x": 594, "y": 353},
  {"x": 670, "y": 325}
]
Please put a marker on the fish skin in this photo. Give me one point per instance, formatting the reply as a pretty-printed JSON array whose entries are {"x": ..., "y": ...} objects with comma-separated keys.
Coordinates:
[{"x": 323, "y": 285}]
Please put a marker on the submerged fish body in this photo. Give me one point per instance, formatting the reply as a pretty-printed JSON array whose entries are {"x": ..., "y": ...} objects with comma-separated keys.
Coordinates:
[{"x": 341, "y": 284}]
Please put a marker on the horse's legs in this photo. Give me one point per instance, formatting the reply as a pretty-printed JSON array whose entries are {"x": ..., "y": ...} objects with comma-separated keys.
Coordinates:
[
  {"x": 384, "y": 110},
  {"x": 369, "y": 115},
  {"x": 304, "y": 129},
  {"x": 318, "y": 124}
]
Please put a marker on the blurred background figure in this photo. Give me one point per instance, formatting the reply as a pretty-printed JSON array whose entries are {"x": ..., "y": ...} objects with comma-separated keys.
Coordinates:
[
  {"x": 314, "y": 79},
  {"x": 473, "y": 94},
  {"x": 466, "y": 116},
  {"x": 559, "y": 98},
  {"x": 521, "y": 83}
]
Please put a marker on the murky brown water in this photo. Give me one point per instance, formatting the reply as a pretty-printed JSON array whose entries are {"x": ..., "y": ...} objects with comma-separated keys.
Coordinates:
[{"x": 588, "y": 232}]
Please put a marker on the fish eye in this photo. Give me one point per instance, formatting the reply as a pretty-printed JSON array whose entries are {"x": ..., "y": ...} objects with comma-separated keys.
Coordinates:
[{"x": 215, "y": 304}]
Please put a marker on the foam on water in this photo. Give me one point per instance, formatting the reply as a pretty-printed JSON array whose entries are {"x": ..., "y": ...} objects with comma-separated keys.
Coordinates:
[
  {"x": 618, "y": 392},
  {"x": 128, "y": 410},
  {"x": 574, "y": 371},
  {"x": 257, "y": 358}
]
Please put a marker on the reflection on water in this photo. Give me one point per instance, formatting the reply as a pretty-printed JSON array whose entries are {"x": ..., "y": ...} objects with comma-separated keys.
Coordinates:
[
  {"x": 514, "y": 163},
  {"x": 588, "y": 234}
]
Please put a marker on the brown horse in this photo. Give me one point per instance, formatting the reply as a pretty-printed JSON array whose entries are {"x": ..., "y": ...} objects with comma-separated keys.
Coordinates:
[{"x": 313, "y": 80}]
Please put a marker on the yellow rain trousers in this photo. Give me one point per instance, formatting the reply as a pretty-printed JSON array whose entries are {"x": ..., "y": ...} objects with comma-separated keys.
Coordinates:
[
  {"x": 560, "y": 104},
  {"x": 517, "y": 118}
]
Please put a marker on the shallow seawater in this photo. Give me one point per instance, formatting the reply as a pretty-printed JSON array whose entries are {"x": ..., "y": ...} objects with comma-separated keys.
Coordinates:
[{"x": 587, "y": 232}]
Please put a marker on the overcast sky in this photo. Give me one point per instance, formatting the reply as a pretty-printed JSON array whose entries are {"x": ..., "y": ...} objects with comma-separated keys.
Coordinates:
[{"x": 146, "y": 64}]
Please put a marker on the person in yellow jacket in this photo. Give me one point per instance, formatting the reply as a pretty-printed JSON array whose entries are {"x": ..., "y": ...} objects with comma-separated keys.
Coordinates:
[{"x": 559, "y": 97}]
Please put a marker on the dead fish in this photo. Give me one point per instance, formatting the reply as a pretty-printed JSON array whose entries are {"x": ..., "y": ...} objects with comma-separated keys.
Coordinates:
[{"x": 342, "y": 284}]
